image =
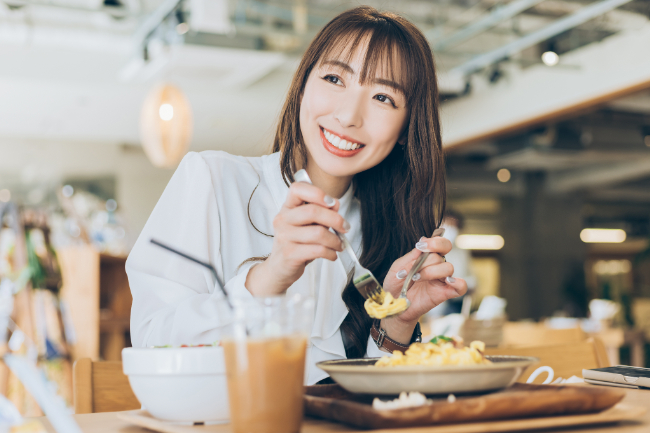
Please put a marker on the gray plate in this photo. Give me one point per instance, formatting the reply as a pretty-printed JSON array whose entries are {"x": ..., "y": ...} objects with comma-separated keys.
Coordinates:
[{"x": 361, "y": 376}]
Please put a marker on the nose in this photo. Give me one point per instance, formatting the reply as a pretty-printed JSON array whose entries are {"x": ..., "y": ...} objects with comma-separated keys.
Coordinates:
[{"x": 349, "y": 112}]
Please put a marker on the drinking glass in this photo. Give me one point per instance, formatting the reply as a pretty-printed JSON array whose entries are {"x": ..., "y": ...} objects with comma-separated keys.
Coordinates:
[{"x": 265, "y": 363}]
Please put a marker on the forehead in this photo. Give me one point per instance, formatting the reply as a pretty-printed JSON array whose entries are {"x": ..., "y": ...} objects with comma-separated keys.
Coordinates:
[{"x": 371, "y": 58}]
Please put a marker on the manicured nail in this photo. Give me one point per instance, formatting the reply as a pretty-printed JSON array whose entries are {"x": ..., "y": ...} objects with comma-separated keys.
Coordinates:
[
  {"x": 416, "y": 277},
  {"x": 450, "y": 280},
  {"x": 329, "y": 201},
  {"x": 401, "y": 274},
  {"x": 346, "y": 225},
  {"x": 422, "y": 246},
  {"x": 420, "y": 240}
]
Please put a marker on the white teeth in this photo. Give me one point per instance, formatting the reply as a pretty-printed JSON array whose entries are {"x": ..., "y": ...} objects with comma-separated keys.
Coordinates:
[{"x": 337, "y": 141}]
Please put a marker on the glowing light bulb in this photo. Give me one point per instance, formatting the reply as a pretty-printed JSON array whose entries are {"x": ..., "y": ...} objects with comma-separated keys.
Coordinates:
[
  {"x": 480, "y": 242},
  {"x": 598, "y": 236},
  {"x": 182, "y": 28},
  {"x": 166, "y": 112},
  {"x": 550, "y": 58},
  {"x": 503, "y": 175}
]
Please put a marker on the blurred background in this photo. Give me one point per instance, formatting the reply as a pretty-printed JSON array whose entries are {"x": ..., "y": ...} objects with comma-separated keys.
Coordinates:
[{"x": 546, "y": 129}]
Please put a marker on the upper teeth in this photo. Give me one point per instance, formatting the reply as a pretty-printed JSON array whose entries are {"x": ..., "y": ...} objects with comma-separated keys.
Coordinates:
[{"x": 337, "y": 141}]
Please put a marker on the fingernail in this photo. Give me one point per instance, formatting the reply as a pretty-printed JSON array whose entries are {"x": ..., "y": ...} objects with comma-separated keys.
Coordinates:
[
  {"x": 346, "y": 225},
  {"x": 450, "y": 279},
  {"x": 401, "y": 274},
  {"x": 422, "y": 246},
  {"x": 416, "y": 277},
  {"x": 420, "y": 240},
  {"x": 329, "y": 201}
]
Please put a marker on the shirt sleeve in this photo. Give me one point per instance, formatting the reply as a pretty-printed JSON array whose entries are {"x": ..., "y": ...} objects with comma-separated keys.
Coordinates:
[{"x": 175, "y": 301}]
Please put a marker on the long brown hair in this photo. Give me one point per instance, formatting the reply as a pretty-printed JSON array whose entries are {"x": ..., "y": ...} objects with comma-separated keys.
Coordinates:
[{"x": 403, "y": 197}]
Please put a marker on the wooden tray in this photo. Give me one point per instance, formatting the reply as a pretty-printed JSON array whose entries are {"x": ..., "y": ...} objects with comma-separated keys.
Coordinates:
[
  {"x": 519, "y": 401},
  {"x": 620, "y": 412}
]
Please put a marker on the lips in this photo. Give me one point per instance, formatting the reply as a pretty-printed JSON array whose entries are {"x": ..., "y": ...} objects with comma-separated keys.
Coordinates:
[{"x": 335, "y": 150}]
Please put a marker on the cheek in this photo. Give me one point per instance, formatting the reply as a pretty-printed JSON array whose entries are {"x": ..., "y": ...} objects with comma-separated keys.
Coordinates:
[{"x": 386, "y": 129}]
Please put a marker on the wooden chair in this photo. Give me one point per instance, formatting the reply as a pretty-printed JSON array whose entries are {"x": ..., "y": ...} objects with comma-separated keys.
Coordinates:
[
  {"x": 566, "y": 360},
  {"x": 538, "y": 334},
  {"x": 101, "y": 387}
]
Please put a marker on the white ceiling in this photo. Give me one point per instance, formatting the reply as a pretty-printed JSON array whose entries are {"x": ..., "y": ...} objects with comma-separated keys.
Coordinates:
[{"x": 72, "y": 94}]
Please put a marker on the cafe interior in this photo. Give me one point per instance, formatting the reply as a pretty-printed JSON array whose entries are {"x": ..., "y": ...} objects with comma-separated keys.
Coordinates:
[{"x": 545, "y": 123}]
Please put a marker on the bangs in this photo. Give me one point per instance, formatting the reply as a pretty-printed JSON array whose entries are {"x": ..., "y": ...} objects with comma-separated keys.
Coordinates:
[{"x": 388, "y": 54}]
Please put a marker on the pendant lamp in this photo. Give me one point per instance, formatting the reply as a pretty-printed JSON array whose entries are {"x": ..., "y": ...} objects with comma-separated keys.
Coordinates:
[{"x": 166, "y": 125}]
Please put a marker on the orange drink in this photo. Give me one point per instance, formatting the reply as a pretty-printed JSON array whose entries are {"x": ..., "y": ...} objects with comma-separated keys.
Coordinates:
[
  {"x": 265, "y": 383},
  {"x": 265, "y": 364}
]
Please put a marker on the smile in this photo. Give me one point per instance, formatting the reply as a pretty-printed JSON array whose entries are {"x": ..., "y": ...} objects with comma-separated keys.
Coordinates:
[{"x": 338, "y": 145}]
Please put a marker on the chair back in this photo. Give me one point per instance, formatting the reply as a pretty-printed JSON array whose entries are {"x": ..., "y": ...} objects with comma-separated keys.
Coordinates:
[
  {"x": 566, "y": 360},
  {"x": 101, "y": 387},
  {"x": 538, "y": 334}
]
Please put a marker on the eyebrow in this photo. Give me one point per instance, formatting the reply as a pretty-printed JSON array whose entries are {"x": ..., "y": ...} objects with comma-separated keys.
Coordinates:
[{"x": 381, "y": 81}]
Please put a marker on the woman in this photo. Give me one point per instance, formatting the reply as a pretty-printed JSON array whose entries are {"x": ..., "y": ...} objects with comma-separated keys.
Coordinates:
[{"x": 361, "y": 117}]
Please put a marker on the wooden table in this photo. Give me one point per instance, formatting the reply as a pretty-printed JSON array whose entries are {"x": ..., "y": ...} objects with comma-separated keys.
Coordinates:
[{"x": 109, "y": 422}]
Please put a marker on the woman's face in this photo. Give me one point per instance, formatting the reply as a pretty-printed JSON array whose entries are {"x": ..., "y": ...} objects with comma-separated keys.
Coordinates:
[{"x": 348, "y": 127}]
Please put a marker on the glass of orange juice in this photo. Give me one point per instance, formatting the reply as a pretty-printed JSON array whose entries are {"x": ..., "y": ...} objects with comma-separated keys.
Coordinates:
[{"x": 265, "y": 363}]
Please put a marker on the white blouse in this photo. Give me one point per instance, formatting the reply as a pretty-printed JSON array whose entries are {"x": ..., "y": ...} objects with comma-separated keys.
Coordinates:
[{"x": 204, "y": 212}]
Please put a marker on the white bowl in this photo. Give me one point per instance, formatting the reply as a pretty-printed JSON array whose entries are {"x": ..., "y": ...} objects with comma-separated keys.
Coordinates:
[
  {"x": 361, "y": 376},
  {"x": 184, "y": 385}
]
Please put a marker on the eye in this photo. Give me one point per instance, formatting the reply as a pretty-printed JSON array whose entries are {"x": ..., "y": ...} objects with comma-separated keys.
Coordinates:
[
  {"x": 333, "y": 79},
  {"x": 385, "y": 99}
]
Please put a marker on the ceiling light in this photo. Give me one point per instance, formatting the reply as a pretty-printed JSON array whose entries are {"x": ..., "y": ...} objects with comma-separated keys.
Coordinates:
[
  {"x": 5, "y": 195},
  {"x": 550, "y": 58},
  {"x": 646, "y": 140},
  {"x": 166, "y": 112},
  {"x": 503, "y": 175},
  {"x": 166, "y": 125},
  {"x": 611, "y": 236},
  {"x": 480, "y": 242},
  {"x": 182, "y": 28}
]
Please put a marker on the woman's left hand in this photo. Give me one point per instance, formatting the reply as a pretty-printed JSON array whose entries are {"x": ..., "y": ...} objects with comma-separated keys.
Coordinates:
[{"x": 435, "y": 285}]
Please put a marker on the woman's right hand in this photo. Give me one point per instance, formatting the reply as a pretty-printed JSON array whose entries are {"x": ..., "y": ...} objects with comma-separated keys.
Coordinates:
[{"x": 301, "y": 235}]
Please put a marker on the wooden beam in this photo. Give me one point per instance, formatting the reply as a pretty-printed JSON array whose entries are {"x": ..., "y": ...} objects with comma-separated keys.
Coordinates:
[{"x": 600, "y": 73}]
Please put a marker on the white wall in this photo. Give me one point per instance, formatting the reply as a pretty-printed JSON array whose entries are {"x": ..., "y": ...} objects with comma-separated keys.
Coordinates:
[{"x": 26, "y": 165}]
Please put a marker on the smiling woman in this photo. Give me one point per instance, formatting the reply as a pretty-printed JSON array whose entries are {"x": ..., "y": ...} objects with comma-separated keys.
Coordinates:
[{"x": 361, "y": 117}]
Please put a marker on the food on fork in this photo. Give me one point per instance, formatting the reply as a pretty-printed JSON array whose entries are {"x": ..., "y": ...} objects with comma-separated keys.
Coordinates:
[
  {"x": 389, "y": 307},
  {"x": 439, "y": 351}
]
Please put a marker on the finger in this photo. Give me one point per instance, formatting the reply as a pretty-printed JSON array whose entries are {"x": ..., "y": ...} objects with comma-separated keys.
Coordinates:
[
  {"x": 437, "y": 272},
  {"x": 433, "y": 259},
  {"x": 311, "y": 252},
  {"x": 458, "y": 284},
  {"x": 301, "y": 193},
  {"x": 314, "y": 214},
  {"x": 315, "y": 235},
  {"x": 434, "y": 245}
]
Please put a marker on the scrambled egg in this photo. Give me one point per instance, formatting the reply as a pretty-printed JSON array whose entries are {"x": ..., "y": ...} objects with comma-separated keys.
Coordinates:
[
  {"x": 388, "y": 308},
  {"x": 443, "y": 353}
]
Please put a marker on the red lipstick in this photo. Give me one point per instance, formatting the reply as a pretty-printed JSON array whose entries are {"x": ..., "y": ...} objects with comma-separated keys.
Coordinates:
[{"x": 335, "y": 150}]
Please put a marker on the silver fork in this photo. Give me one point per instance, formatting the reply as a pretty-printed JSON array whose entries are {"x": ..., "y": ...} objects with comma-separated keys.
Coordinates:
[
  {"x": 364, "y": 281},
  {"x": 416, "y": 268}
]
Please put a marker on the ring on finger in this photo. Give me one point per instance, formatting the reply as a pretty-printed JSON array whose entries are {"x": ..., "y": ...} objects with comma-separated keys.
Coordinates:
[{"x": 444, "y": 259}]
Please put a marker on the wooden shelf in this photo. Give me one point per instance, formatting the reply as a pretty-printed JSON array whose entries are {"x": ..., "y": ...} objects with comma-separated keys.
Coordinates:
[{"x": 96, "y": 289}]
